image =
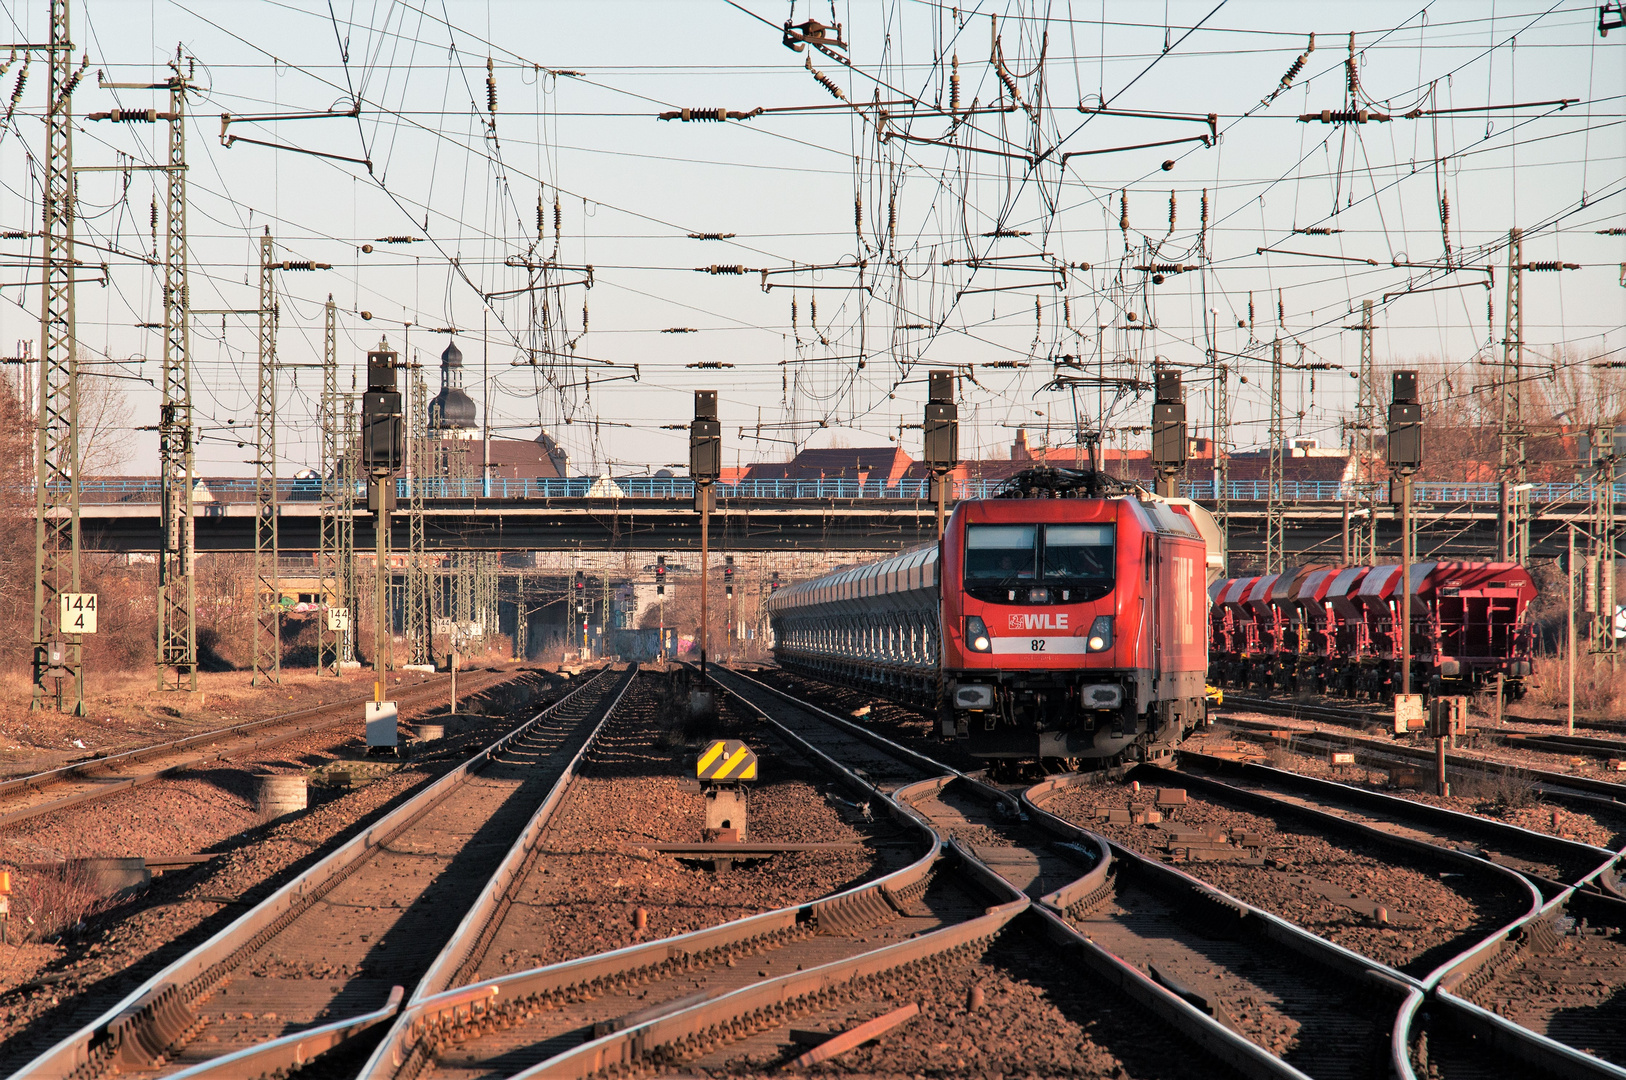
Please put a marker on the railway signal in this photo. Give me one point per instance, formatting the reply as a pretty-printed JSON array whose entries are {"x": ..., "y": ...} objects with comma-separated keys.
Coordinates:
[
  {"x": 1405, "y": 454},
  {"x": 1169, "y": 443},
  {"x": 728, "y": 576},
  {"x": 941, "y": 443},
  {"x": 660, "y": 575},
  {"x": 705, "y": 466},
  {"x": 383, "y": 444}
]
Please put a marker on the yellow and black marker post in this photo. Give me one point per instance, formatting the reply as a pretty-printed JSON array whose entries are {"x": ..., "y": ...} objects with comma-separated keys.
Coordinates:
[{"x": 723, "y": 767}]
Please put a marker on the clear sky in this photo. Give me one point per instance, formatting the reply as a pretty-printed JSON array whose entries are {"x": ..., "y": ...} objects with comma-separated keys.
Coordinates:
[{"x": 1008, "y": 251}]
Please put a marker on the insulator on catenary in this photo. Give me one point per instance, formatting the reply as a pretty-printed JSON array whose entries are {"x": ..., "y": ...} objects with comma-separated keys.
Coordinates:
[
  {"x": 1550, "y": 265},
  {"x": 691, "y": 115},
  {"x": 399, "y": 239},
  {"x": 1281, "y": 309},
  {"x": 558, "y": 218},
  {"x": 714, "y": 268},
  {"x": 711, "y": 236},
  {"x": 491, "y": 89},
  {"x": 858, "y": 214},
  {"x": 1123, "y": 211},
  {"x": 892, "y": 216},
  {"x": 1344, "y": 116},
  {"x": 793, "y": 313},
  {"x": 1038, "y": 313},
  {"x": 1250, "y": 311},
  {"x": 133, "y": 116},
  {"x": 584, "y": 316},
  {"x": 1445, "y": 223},
  {"x": 813, "y": 311},
  {"x": 17, "y": 90},
  {"x": 1611, "y": 232},
  {"x": 1166, "y": 268},
  {"x": 539, "y": 216},
  {"x": 824, "y": 81},
  {"x": 152, "y": 216},
  {"x": 1203, "y": 213},
  {"x": 1171, "y": 213},
  {"x": 304, "y": 264},
  {"x": 1353, "y": 68},
  {"x": 1317, "y": 230},
  {"x": 954, "y": 87}
]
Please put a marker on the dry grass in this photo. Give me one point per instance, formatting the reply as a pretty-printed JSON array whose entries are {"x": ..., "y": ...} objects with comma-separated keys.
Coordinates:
[
  {"x": 1600, "y": 689},
  {"x": 49, "y": 903},
  {"x": 1502, "y": 791}
]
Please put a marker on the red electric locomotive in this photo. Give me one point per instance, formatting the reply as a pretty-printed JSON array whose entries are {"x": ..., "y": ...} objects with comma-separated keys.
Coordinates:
[{"x": 1059, "y": 621}]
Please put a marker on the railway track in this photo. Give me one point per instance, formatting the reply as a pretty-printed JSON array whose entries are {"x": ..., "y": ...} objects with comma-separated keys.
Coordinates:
[
  {"x": 333, "y": 949},
  {"x": 689, "y": 1002},
  {"x": 1328, "y": 1004},
  {"x": 1554, "y": 864},
  {"x": 26, "y": 797},
  {"x": 1554, "y": 972},
  {"x": 1393, "y": 751}
]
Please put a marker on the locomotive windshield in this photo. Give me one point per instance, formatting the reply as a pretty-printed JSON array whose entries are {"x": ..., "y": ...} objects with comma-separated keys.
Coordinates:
[{"x": 1039, "y": 563}]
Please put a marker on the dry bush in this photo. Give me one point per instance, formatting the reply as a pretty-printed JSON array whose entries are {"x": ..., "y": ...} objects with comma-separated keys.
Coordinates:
[
  {"x": 1600, "y": 689},
  {"x": 49, "y": 903},
  {"x": 1501, "y": 791}
]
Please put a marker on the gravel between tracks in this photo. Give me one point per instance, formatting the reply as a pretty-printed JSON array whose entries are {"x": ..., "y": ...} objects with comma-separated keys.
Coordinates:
[
  {"x": 1449, "y": 911},
  {"x": 596, "y": 868},
  {"x": 1036, "y": 1020}
]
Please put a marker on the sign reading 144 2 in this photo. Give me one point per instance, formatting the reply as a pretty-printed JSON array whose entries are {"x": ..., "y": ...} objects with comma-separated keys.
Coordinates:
[{"x": 78, "y": 612}]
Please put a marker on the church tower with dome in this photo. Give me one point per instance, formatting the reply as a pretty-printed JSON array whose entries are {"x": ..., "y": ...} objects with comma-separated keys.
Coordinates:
[
  {"x": 452, "y": 413},
  {"x": 459, "y": 452}
]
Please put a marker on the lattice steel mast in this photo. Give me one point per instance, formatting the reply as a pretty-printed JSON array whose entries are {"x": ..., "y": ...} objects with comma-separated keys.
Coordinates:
[
  {"x": 418, "y": 616},
  {"x": 267, "y": 557},
  {"x": 1275, "y": 511},
  {"x": 330, "y": 650},
  {"x": 1515, "y": 539},
  {"x": 350, "y": 586},
  {"x": 56, "y": 451}
]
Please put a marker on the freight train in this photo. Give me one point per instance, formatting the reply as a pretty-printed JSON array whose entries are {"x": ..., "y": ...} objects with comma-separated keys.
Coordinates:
[
  {"x": 1064, "y": 618},
  {"x": 1335, "y": 629}
]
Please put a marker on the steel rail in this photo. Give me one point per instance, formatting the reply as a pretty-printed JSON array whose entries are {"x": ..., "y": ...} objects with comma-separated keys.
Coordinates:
[
  {"x": 1528, "y": 1046},
  {"x": 159, "y": 1006},
  {"x": 341, "y": 711},
  {"x": 1531, "y": 1048},
  {"x": 1423, "y": 815},
  {"x": 493, "y": 1001},
  {"x": 1272, "y": 930},
  {"x": 282, "y": 1055},
  {"x": 1220, "y": 1042},
  {"x": 1460, "y": 762}
]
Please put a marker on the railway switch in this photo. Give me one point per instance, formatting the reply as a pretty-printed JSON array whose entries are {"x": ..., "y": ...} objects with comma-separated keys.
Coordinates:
[{"x": 723, "y": 768}]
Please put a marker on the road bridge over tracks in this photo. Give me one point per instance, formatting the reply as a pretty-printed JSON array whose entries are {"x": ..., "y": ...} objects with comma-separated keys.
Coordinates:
[{"x": 1456, "y": 521}]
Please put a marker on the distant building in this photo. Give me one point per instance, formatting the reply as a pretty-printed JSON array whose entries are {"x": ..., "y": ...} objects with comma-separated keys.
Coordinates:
[
  {"x": 454, "y": 426},
  {"x": 1304, "y": 460}
]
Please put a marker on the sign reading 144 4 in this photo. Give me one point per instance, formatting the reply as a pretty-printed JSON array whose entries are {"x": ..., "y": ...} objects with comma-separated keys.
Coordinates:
[{"x": 78, "y": 612}]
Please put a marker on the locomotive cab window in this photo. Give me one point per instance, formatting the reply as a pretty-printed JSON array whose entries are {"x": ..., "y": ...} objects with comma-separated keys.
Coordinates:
[
  {"x": 1000, "y": 554},
  {"x": 1039, "y": 564}
]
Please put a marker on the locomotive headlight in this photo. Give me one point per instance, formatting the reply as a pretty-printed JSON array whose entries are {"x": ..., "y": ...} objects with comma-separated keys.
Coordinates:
[
  {"x": 976, "y": 634},
  {"x": 1100, "y": 638}
]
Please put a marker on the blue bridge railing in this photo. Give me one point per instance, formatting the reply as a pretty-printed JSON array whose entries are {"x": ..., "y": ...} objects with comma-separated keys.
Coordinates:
[{"x": 241, "y": 489}]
